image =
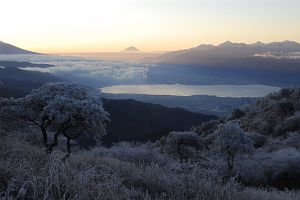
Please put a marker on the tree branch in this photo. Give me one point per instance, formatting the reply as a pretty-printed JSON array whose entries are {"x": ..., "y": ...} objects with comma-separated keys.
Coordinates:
[{"x": 34, "y": 122}]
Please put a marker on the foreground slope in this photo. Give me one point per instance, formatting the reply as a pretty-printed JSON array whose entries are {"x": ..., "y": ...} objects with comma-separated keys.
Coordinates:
[{"x": 152, "y": 170}]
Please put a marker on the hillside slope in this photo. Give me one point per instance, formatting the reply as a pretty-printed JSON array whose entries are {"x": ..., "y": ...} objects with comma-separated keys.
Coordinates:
[
  {"x": 272, "y": 128},
  {"x": 136, "y": 121},
  {"x": 11, "y": 49},
  {"x": 276, "y": 115}
]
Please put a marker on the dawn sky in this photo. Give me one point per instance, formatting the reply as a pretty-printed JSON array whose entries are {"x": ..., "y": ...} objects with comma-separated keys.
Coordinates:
[{"x": 150, "y": 25}]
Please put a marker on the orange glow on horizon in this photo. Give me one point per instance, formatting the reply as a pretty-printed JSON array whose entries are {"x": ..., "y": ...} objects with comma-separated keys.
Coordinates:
[{"x": 65, "y": 26}]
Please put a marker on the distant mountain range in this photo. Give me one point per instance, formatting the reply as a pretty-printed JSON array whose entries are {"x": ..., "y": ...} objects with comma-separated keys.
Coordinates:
[
  {"x": 11, "y": 49},
  {"x": 211, "y": 54}
]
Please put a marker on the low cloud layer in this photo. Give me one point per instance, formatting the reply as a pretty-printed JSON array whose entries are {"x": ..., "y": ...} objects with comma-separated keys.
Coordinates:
[
  {"x": 91, "y": 72},
  {"x": 292, "y": 55}
]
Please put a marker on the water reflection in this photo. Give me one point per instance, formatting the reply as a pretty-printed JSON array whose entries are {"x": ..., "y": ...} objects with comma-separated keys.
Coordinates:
[{"x": 236, "y": 91}]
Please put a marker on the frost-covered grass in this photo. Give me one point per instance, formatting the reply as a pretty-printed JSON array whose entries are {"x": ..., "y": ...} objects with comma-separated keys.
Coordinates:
[{"x": 122, "y": 172}]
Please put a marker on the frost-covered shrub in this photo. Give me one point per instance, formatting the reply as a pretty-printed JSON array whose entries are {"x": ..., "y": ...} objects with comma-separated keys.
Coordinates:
[
  {"x": 135, "y": 153},
  {"x": 291, "y": 123},
  {"x": 292, "y": 140},
  {"x": 251, "y": 172},
  {"x": 182, "y": 144},
  {"x": 285, "y": 107},
  {"x": 207, "y": 141},
  {"x": 277, "y": 169},
  {"x": 289, "y": 140},
  {"x": 273, "y": 114},
  {"x": 237, "y": 113},
  {"x": 25, "y": 173},
  {"x": 206, "y": 128},
  {"x": 231, "y": 141},
  {"x": 297, "y": 106},
  {"x": 258, "y": 139},
  {"x": 283, "y": 168}
]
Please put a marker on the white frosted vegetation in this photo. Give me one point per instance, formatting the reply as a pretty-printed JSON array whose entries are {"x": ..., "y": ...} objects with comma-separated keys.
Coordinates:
[
  {"x": 218, "y": 160},
  {"x": 28, "y": 174},
  {"x": 272, "y": 126}
]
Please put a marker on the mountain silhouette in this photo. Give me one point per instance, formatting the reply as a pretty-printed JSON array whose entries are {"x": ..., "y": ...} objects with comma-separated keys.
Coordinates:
[
  {"x": 211, "y": 54},
  {"x": 6, "y": 49},
  {"x": 131, "y": 49}
]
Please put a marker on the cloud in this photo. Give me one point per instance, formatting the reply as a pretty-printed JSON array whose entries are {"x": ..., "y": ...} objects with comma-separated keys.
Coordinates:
[
  {"x": 92, "y": 72},
  {"x": 291, "y": 55}
]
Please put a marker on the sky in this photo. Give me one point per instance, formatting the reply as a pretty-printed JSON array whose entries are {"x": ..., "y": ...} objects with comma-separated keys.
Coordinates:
[{"x": 65, "y": 26}]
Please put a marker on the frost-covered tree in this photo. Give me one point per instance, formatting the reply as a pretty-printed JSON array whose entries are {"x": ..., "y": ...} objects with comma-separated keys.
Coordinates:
[
  {"x": 183, "y": 144},
  {"x": 232, "y": 140},
  {"x": 66, "y": 109}
]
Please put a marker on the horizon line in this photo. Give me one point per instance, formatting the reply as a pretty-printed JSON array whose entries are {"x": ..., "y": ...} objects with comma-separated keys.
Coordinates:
[{"x": 44, "y": 51}]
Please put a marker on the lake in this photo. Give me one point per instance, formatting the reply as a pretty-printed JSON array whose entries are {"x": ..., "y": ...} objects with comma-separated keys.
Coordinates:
[{"x": 236, "y": 91}]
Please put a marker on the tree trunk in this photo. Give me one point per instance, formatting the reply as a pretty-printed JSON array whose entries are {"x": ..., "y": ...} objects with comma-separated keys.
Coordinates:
[
  {"x": 68, "y": 146},
  {"x": 55, "y": 142},
  {"x": 230, "y": 160},
  {"x": 179, "y": 152},
  {"x": 45, "y": 136}
]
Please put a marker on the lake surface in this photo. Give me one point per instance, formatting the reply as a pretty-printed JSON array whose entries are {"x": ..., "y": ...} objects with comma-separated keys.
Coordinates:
[{"x": 236, "y": 91}]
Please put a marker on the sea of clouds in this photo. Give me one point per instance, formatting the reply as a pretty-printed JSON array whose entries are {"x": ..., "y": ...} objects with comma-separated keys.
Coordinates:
[{"x": 95, "y": 73}]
